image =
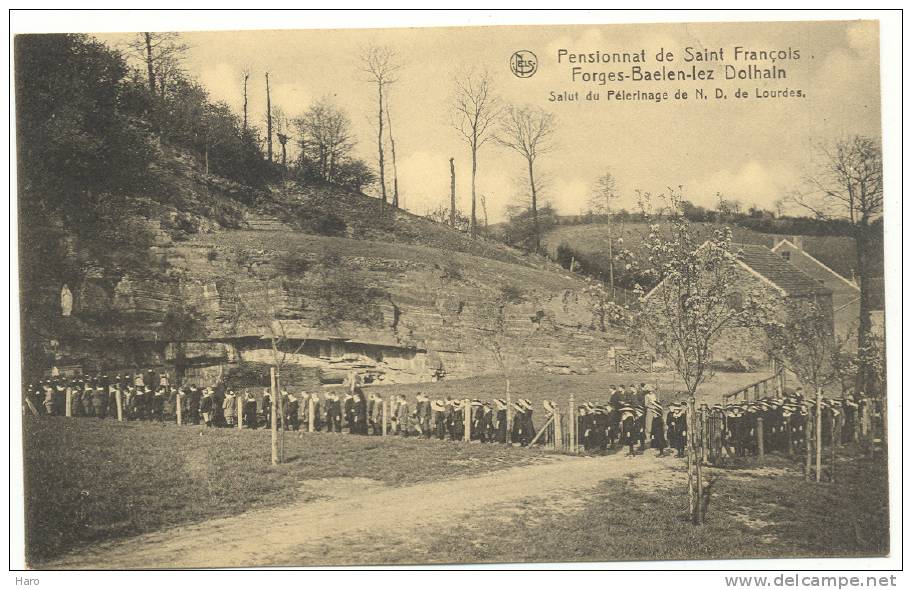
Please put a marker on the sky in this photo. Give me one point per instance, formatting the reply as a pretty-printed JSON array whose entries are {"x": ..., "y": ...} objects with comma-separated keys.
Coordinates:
[{"x": 754, "y": 150}]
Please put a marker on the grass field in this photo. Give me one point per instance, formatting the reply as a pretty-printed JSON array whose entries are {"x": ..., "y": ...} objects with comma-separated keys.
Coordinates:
[
  {"x": 585, "y": 388},
  {"x": 89, "y": 480},
  {"x": 837, "y": 252},
  {"x": 753, "y": 512}
]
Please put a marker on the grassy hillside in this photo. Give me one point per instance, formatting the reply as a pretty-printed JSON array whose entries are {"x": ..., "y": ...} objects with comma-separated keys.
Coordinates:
[{"x": 837, "y": 252}]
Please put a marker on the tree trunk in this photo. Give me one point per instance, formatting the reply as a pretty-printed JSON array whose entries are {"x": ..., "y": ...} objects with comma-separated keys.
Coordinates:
[
  {"x": 149, "y": 61},
  {"x": 380, "y": 147},
  {"x": 698, "y": 467},
  {"x": 268, "y": 122},
  {"x": 272, "y": 410},
  {"x": 863, "y": 378},
  {"x": 389, "y": 126},
  {"x": 808, "y": 432},
  {"x": 691, "y": 496},
  {"x": 818, "y": 431},
  {"x": 452, "y": 194},
  {"x": 280, "y": 409},
  {"x": 535, "y": 227},
  {"x": 610, "y": 254},
  {"x": 473, "y": 230},
  {"x": 246, "y": 77}
]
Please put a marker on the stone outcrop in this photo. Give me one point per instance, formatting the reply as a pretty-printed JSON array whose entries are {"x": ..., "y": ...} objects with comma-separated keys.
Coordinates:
[{"x": 220, "y": 300}]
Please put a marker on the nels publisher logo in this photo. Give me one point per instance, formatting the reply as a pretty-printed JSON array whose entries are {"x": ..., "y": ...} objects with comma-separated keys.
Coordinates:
[{"x": 523, "y": 63}]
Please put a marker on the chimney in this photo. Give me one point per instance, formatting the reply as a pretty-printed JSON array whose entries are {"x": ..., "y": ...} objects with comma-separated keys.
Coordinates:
[{"x": 798, "y": 241}]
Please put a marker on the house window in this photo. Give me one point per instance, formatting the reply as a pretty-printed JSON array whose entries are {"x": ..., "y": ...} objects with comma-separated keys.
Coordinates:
[
  {"x": 736, "y": 301},
  {"x": 786, "y": 254}
]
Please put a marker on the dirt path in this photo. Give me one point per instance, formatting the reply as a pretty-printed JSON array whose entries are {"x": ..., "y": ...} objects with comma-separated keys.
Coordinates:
[{"x": 287, "y": 535}]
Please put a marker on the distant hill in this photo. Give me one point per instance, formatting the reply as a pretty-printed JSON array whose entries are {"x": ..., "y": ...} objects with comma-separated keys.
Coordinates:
[{"x": 837, "y": 252}]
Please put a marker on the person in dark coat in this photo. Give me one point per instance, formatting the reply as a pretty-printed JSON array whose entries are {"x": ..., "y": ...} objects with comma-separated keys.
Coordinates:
[
  {"x": 206, "y": 405},
  {"x": 194, "y": 401},
  {"x": 439, "y": 410},
  {"x": 158, "y": 405},
  {"x": 423, "y": 415},
  {"x": 500, "y": 420},
  {"x": 348, "y": 408},
  {"x": 267, "y": 408},
  {"x": 88, "y": 408},
  {"x": 100, "y": 402},
  {"x": 250, "y": 410},
  {"x": 292, "y": 411},
  {"x": 657, "y": 430}
]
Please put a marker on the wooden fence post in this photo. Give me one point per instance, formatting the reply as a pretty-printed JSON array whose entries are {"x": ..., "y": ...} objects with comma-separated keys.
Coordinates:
[
  {"x": 178, "y": 406},
  {"x": 510, "y": 415},
  {"x": 119, "y": 400},
  {"x": 69, "y": 402},
  {"x": 808, "y": 425},
  {"x": 833, "y": 440},
  {"x": 310, "y": 412},
  {"x": 818, "y": 431},
  {"x": 467, "y": 420},
  {"x": 699, "y": 470},
  {"x": 788, "y": 435},
  {"x": 558, "y": 435},
  {"x": 571, "y": 427},
  {"x": 760, "y": 450},
  {"x": 274, "y": 427},
  {"x": 240, "y": 412}
]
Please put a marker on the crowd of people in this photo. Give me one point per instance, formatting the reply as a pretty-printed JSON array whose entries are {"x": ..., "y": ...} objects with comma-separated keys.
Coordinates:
[{"x": 634, "y": 417}]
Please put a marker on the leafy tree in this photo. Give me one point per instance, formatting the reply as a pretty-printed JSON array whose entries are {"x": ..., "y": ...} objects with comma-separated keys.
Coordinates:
[
  {"x": 685, "y": 314},
  {"x": 524, "y": 226},
  {"x": 445, "y": 216},
  {"x": 848, "y": 185},
  {"x": 325, "y": 138}
]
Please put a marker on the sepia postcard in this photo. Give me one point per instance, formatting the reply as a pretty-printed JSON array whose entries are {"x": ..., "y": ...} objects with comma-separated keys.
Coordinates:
[{"x": 593, "y": 293}]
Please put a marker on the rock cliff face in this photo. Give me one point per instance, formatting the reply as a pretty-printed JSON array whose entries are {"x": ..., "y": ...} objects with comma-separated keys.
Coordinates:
[{"x": 394, "y": 312}]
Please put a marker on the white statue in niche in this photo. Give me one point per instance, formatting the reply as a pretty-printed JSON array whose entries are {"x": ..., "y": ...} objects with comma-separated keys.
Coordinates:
[{"x": 66, "y": 301}]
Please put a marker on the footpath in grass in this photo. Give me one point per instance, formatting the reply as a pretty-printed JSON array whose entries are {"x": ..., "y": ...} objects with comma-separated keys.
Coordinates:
[
  {"x": 89, "y": 480},
  {"x": 766, "y": 511}
]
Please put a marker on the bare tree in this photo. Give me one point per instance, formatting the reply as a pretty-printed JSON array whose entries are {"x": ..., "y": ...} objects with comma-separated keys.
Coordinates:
[
  {"x": 246, "y": 78},
  {"x": 603, "y": 196},
  {"x": 389, "y": 126},
  {"x": 484, "y": 212},
  {"x": 529, "y": 133},
  {"x": 779, "y": 206},
  {"x": 452, "y": 194},
  {"x": 803, "y": 340},
  {"x": 476, "y": 110},
  {"x": 849, "y": 185},
  {"x": 380, "y": 64},
  {"x": 161, "y": 53},
  {"x": 268, "y": 121},
  {"x": 281, "y": 128}
]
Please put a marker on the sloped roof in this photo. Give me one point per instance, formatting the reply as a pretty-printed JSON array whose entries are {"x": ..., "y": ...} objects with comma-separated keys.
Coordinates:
[{"x": 781, "y": 272}]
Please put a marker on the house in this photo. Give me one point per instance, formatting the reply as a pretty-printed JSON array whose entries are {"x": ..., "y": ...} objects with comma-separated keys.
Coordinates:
[
  {"x": 760, "y": 265},
  {"x": 846, "y": 293}
]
